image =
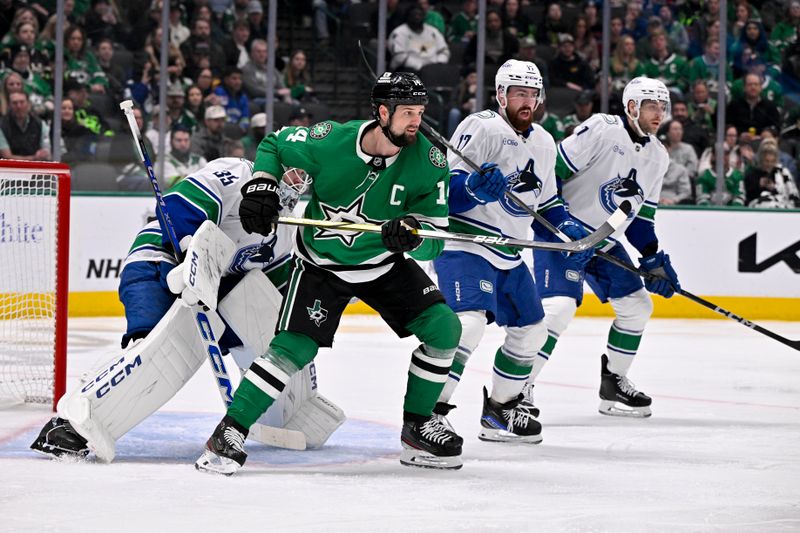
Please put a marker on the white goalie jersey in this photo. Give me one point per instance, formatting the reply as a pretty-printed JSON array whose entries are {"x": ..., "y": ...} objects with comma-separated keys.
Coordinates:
[
  {"x": 528, "y": 163},
  {"x": 214, "y": 193},
  {"x": 604, "y": 167}
]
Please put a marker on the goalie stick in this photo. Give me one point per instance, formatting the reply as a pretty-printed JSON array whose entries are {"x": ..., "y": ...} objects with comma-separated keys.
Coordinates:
[{"x": 280, "y": 437}]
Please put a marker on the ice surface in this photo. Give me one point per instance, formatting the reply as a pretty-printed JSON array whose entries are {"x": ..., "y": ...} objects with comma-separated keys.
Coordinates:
[{"x": 721, "y": 452}]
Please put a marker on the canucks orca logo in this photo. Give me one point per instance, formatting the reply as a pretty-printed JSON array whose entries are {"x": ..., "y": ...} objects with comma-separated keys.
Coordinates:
[
  {"x": 261, "y": 253},
  {"x": 521, "y": 181},
  {"x": 615, "y": 190}
]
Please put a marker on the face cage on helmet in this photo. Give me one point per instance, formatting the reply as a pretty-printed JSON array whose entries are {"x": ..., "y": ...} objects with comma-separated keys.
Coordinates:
[{"x": 289, "y": 192}]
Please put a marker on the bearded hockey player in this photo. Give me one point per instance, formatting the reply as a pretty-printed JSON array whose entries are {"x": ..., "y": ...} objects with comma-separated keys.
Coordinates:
[
  {"x": 162, "y": 345},
  {"x": 380, "y": 171},
  {"x": 609, "y": 159},
  {"x": 486, "y": 284}
]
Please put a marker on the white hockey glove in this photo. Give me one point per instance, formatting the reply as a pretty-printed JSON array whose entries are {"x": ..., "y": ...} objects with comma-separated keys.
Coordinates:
[{"x": 196, "y": 280}]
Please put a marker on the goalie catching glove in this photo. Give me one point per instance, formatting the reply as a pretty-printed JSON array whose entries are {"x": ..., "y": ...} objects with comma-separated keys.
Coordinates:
[
  {"x": 259, "y": 206},
  {"x": 397, "y": 234}
]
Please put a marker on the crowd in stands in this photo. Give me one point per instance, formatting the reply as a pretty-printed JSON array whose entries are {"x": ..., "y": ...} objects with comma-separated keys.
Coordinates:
[
  {"x": 676, "y": 41},
  {"x": 217, "y": 76},
  {"x": 216, "y": 87}
]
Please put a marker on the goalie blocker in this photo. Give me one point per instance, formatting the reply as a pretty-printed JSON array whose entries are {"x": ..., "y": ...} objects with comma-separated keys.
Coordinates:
[{"x": 135, "y": 383}]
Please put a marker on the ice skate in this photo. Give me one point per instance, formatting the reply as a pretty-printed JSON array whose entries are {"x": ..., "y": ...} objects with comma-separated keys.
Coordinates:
[
  {"x": 430, "y": 443},
  {"x": 58, "y": 439},
  {"x": 224, "y": 453},
  {"x": 619, "y": 397},
  {"x": 512, "y": 421}
]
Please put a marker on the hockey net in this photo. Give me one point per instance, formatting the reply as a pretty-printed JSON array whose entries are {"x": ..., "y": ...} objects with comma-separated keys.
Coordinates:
[{"x": 34, "y": 260}]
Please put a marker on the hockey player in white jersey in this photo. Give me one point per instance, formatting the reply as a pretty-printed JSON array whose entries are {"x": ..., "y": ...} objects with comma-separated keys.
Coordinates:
[
  {"x": 486, "y": 284},
  {"x": 606, "y": 160},
  {"x": 162, "y": 340}
]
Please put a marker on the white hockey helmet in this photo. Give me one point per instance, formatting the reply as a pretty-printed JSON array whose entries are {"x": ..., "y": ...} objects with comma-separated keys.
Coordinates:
[
  {"x": 515, "y": 73},
  {"x": 643, "y": 88}
]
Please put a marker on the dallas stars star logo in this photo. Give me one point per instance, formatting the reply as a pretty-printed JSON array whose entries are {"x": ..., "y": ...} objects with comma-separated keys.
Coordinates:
[
  {"x": 317, "y": 314},
  {"x": 352, "y": 213}
]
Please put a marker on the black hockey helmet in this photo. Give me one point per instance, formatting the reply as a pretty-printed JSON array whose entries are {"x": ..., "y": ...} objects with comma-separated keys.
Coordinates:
[{"x": 397, "y": 88}]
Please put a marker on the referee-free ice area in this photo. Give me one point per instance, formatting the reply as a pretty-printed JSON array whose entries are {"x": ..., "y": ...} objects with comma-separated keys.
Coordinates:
[{"x": 720, "y": 453}]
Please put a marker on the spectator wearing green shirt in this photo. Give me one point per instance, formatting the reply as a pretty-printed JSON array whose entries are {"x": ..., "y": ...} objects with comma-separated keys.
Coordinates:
[
  {"x": 706, "y": 66},
  {"x": 707, "y": 183},
  {"x": 785, "y": 31},
  {"x": 464, "y": 24},
  {"x": 433, "y": 17},
  {"x": 80, "y": 62},
  {"x": 666, "y": 66},
  {"x": 624, "y": 64}
]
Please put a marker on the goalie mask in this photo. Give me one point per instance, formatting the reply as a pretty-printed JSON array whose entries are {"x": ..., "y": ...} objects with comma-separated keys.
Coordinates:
[
  {"x": 640, "y": 89},
  {"x": 293, "y": 184}
]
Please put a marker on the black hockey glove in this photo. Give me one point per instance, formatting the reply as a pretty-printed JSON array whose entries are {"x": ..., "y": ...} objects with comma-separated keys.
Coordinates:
[
  {"x": 397, "y": 237},
  {"x": 260, "y": 205}
]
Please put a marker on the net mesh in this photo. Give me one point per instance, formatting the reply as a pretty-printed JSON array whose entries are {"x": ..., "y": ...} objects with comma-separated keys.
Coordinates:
[{"x": 28, "y": 240}]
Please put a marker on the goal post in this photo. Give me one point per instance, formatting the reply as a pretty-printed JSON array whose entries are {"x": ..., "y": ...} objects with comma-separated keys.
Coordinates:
[{"x": 34, "y": 267}]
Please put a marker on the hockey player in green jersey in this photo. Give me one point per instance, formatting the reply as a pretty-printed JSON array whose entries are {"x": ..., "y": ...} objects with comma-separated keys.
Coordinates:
[{"x": 380, "y": 171}]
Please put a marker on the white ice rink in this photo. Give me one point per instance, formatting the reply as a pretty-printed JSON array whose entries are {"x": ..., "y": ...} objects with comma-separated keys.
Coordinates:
[{"x": 720, "y": 453}]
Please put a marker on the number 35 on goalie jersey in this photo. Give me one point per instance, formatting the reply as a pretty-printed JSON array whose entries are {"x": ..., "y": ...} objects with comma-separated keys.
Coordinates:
[{"x": 214, "y": 193}]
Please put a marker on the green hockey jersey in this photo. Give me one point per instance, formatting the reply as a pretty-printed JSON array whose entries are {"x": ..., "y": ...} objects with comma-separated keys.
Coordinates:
[{"x": 350, "y": 185}]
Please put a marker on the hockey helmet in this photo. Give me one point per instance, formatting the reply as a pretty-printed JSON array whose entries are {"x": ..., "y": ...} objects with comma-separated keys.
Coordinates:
[
  {"x": 397, "y": 88},
  {"x": 515, "y": 73},
  {"x": 643, "y": 88}
]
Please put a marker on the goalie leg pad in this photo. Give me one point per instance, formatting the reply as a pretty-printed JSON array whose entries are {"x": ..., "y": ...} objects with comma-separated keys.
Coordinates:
[
  {"x": 251, "y": 310},
  {"x": 301, "y": 408},
  {"x": 139, "y": 380}
]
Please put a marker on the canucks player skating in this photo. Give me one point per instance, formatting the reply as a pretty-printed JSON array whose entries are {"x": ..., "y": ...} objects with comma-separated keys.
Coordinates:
[
  {"x": 606, "y": 160},
  {"x": 380, "y": 171},
  {"x": 163, "y": 342},
  {"x": 489, "y": 284}
]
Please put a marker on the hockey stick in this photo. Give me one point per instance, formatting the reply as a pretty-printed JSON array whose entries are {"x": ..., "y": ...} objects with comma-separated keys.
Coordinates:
[
  {"x": 280, "y": 437},
  {"x": 608, "y": 227},
  {"x": 614, "y": 260}
]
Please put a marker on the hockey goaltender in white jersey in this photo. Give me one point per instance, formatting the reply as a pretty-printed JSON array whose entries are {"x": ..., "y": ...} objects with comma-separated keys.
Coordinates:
[{"x": 163, "y": 346}]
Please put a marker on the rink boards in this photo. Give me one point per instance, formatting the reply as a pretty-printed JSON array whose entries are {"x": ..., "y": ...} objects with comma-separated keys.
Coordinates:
[{"x": 743, "y": 260}]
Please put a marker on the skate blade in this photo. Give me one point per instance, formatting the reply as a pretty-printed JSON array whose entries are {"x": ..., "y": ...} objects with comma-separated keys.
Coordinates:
[
  {"x": 214, "y": 464},
  {"x": 421, "y": 459},
  {"x": 611, "y": 408},
  {"x": 57, "y": 454},
  {"x": 501, "y": 435}
]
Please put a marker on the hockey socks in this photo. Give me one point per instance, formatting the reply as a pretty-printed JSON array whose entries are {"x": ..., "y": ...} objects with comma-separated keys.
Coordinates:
[
  {"x": 269, "y": 374},
  {"x": 621, "y": 348},
  {"x": 508, "y": 376}
]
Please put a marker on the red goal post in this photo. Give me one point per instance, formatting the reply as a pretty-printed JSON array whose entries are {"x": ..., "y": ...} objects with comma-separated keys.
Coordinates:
[{"x": 34, "y": 267}]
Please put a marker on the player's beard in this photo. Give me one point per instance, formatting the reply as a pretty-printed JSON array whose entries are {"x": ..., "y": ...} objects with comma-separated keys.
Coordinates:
[
  {"x": 402, "y": 139},
  {"x": 518, "y": 123}
]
